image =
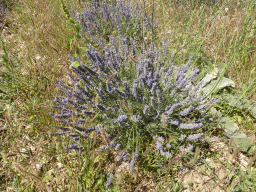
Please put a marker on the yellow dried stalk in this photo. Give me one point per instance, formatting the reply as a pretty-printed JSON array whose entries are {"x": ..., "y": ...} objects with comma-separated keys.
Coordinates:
[
  {"x": 111, "y": 77},
  {"x": 104, "y": 135},
  {"x": 129, "y": 108},
  {"x": 121, "y": 103},
  {"x": 189, "y": 120},
  {"x": 97, "y": 99},
  {"x": 133, "y": 60},
  {"x": 137, "y": 61},
  {"x": 196, "y": 156},
  {"x": 93, "y": 119},
  {"x": 163, "y": 118}
]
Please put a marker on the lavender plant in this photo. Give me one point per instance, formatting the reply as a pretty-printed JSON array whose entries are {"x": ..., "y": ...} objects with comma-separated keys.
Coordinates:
[
  {"x": 113, "y": 17},
  {"x": 134, "y": 100}
]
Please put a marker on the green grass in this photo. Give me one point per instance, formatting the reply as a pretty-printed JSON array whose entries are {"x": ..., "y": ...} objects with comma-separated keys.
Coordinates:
[{"x": 34, "y": 50}]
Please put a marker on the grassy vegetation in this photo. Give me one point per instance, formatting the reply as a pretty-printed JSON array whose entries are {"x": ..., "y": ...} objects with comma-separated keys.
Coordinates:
[{"x": 35, "y": 48}]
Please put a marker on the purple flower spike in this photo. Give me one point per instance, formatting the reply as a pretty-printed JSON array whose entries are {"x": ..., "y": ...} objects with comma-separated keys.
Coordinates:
[
  {"x": 162, "y": 70},
  {"x": 71, "y": 58},
  {"x": 182, "y": 137},
  {"x": 135, "y": 90},
  {"x": 169, "y": 72},
  {"x": 66, "y": 115},
  {"x": 159, "y": 96},
  {"x": 135, "y": 118},
  {"x": 117, "y": 147},
  {"x": 104, "y": 116},
  {"x": 195, "y": 137},
  {"x": 89, "y": 70},
  {"x": 190, "y": 148},
  {"x": 165, "y": 153},
  {"x": 212, "y": 139},
  {"x": 191, "y": 125},
  {"x": 158, "y": 113},
  {"x": 153, "y": 89},
  {"x": 193, "y": 92},
  {"x": 152, "y": 101},
  {"x": 133, "y": 161},
  {"x": 109, "y": 180},
  {"x": 174, "y": 122},
  {"x": 145, "y": 110},
  {"x": 159, "y": 145},
  {"x": 122, "y": 156},
  {"x": 182, "y": 148},
  {"x": 121, "y": 120},
  {"x": 173, "y": 108},
  {"x": 187, "y": 111},
  {"x": 160, "y": 139},
  {"x": 109, "y": 89},
  {"x": 75, "y": 147}
]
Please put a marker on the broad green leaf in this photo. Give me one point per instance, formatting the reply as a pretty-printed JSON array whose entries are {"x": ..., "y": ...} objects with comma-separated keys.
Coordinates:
[
  {"x": 212, "y": 81},
  {"x": 121, "y": 88},
  {"x": 239, "y": 119},
  {"x": 218, "y": 84},
  {"x": 231, "y": 131},
  {"x": 74, "y": 64},
  {"x": 241, "y": 103}
]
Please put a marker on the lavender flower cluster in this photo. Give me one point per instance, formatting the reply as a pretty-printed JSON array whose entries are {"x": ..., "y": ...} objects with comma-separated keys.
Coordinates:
[{"x": 122, "y": 17}]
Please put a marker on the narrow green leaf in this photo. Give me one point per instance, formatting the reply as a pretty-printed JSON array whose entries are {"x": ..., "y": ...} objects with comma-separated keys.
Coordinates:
[
  {"x": 96, "y": 159},
  {"x": 83, "y": 49}
]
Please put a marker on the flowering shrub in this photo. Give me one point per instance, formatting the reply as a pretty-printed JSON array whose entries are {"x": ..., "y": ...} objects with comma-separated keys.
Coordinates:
[
  {"x": 133, "y": 99},
  {"x": 133, "y": 96}
]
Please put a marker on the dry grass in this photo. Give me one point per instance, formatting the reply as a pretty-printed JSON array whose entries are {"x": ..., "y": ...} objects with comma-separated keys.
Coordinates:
[{"x": 39, "y": 41}]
